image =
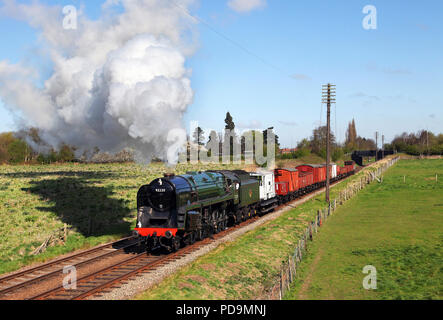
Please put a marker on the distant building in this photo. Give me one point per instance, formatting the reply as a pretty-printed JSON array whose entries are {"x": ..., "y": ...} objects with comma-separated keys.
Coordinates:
[{"x": 287, "y": 150}]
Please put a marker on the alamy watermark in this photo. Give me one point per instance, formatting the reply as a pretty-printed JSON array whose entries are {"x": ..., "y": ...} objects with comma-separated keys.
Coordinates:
[
  {"x": 370, "y": 20},
  {"x": 70, "y": 281},
  {"x": 370, "y": 281},
  {"x": 250, "y": 147},
  {"x": 70, "y": 17}
]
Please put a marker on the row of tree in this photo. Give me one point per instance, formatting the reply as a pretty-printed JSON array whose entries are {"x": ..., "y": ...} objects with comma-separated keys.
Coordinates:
[
  {"x": 16, "y": 147},
  {"x": 235, "y": 140},
  {"x": 355, "y": 142},
  {"x": 316, "y": 144},
  {"x": 422, "y": 142}
]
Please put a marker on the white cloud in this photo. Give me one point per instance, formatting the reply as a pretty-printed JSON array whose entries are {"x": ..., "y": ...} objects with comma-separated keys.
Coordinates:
[
  {"x": 246, "y": 5},
  {"x": 300, "y": 76},
  {"x": 364, "y": 95},
  {"x": 117, "y": 82},
  {"x": 388, "y": 70},
  {"x": 289, "y": 123}
]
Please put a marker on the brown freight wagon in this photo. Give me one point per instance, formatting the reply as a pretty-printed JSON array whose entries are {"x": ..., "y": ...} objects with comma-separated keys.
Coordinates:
[{"x": 318, "y": 171}]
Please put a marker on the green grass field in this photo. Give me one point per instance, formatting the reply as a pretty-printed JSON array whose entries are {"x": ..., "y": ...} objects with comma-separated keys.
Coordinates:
[
  {"x": 97, "y": 202},
  {"x": 395, "y": 226},
  {"x": 247, "y": 267}
]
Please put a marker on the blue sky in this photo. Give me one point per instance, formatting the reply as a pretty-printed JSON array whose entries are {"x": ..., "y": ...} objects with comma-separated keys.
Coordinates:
[{"x": 388, "y": 79}]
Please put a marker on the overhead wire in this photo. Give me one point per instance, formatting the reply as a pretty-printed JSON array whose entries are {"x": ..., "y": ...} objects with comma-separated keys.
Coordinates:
[{"x": 228, "y": 39}]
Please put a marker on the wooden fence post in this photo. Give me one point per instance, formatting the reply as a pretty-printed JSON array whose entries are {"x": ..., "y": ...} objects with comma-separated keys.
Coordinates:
[
  {"x": 302, "y": 247},
  {"x": 291, "y": 278},
  {"x": 310, "y": 231},
  {"x": 65, "y": 232}
]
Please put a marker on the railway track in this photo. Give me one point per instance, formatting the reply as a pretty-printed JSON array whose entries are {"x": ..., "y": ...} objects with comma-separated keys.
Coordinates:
[
  {"x": 114, "y": 275},
  {"x": 12, "y": 283},
  {"x": 110, "y": 275},
  {"x": 17, "y": 285}
]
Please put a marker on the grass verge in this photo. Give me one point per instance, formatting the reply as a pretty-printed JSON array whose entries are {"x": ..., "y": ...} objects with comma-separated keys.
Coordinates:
[{"x": 396, "y": 226}]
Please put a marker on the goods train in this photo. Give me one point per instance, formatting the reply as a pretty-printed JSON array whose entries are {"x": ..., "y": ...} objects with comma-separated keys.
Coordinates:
[{"x": 178, "y": 210}]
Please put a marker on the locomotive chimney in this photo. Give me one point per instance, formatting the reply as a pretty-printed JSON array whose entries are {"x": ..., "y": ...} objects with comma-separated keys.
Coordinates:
[{"x": 169, "y": 175}]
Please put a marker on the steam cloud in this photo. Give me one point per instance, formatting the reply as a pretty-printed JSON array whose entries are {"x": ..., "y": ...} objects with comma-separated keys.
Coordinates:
[{"x": 117, "y": 82}]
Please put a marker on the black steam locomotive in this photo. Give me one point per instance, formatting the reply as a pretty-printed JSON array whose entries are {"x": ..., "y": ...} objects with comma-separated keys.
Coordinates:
[{"x": 179, "y": 210}]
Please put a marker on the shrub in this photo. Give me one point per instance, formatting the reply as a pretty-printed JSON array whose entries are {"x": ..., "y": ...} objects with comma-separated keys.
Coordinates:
[
  {"x": 337, "y": 154},
  {"x": 18, "y": 151},
  {"x": 66, "y": 154}
]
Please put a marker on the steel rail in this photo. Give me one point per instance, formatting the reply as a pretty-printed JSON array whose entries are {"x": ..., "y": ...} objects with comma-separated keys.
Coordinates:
[
  {"x": 42, "y": 267},
  {"x": 46, "y": 276},
  {"x": 151, "y": 263}
]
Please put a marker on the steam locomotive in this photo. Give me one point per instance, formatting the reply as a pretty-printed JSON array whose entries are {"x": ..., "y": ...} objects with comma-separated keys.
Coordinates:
[{"x": 177, "y": 210}]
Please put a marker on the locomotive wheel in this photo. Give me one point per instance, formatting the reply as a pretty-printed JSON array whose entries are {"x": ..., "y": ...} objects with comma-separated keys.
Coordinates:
[
  {"x": 214, "y": 223},
  {"x": 176, "y": 244},
  {"x": 244, "y": 215},
  {"x": 192, "y": 237},
  {"x": 238, "y": 217},
  {"x": 199, "y": 235}
]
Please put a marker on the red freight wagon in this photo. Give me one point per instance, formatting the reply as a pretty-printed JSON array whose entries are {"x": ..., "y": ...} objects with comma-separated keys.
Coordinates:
[
  {"x": 286, "y": 181},
  {"x": 282, "y": 188},
  {"x": 318, "y": 171},
  {"x": 350, "y": 166},
  {"x": 305, "y": 179},
  {"x": 340, "y": 171}
]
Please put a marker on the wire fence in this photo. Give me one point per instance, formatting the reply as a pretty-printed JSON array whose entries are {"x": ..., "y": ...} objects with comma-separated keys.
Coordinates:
[{"x": 288, "y": 270}]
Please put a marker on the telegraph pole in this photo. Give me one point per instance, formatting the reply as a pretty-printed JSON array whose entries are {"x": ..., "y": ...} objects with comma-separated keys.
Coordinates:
[
  {"x": 376, "y": 145},
  {"x": 328, "y": 97},
  {"x": 383, "y": 145}
]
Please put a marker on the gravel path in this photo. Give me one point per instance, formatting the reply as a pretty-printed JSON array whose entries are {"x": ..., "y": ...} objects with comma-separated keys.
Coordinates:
[{"x": 144, "y": 281}]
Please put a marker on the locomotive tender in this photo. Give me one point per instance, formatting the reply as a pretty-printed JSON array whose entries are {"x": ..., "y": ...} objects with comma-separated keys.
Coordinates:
[{"x": 178, "y": 210}]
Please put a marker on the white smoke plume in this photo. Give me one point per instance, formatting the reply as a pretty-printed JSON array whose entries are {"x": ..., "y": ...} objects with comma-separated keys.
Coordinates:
[{"x": 117, "y": 82}]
